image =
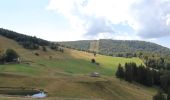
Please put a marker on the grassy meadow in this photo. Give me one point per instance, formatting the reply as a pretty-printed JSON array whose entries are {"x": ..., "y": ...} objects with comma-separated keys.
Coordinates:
[{"x": 66, "y": 76}]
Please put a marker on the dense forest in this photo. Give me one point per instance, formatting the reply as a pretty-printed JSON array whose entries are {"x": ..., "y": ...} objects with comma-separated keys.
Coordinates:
[
  {"x": 120, "y": 47},
  {"x": 154, "y": 72},
  {"x": 146, "y": 76},
  {"x": 83, "y": 45},
  {"x": 28, "y": 42}
]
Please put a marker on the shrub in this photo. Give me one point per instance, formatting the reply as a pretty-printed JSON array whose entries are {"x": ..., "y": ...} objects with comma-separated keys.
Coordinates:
[
  {"x": 37, "y": 54},
  {"x": 10, "y": 55},
  {"x": 93, "y": 61}
]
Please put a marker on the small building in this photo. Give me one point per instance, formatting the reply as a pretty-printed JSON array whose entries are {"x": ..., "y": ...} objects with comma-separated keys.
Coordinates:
[{"x": 95, "y": 74}]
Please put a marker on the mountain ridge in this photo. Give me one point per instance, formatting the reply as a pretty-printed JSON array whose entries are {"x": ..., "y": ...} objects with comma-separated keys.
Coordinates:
[
  {"x": 102, "y": 46},
  {"x": 110, "y": 47}
]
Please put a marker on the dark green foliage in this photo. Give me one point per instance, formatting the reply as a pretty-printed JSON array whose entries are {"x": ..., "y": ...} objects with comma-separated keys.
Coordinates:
[
  {"x": 26, "y": 41},
  {"x": 167, "y": 65},
  {"x": 120, "y": 48},
  {"x": 156, "y": 77},
  {"x": 10, "y": 55},
  {"x": 159, "y": 96},
  {"x": 30, "y": 45},
  {"x": 157, "y": 62},
  {"x": 124, "y": 54},
  {"x": 139, "y": 74},
  {"x": 165, "y": 80},
  {"x": 81, "y": 45},
  {"x": 120, "y": 72},
  {"x": 128, "y": 72},
  {"x": 168, "y": 94},
  {"x": 54, "y": 46},
  {"x": 149, "y": 77},
  {"x": 145, "y": 76},
  {"x": 37, "y": 54},
  {"x": 93, "y": 61}
]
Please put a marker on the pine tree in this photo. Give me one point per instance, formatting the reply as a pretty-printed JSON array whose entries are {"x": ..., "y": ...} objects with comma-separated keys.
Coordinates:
[
  {"x": 149, "y": 77},
  {"x": 128, "y": 72},
  {"x": 120, "y": 72},
  {"x": 168, "y": 97}
]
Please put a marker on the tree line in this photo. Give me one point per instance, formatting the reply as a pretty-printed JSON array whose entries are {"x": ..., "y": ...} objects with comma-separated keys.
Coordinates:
[
  {"x": 146, "y": 76},
  {"x": 157, "y": 62},
  {"x": 141, "y": 74},
  {"x": 28, "y": 42}
]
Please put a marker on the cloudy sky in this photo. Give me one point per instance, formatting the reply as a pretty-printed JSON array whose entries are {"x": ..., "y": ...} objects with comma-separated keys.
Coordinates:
[{"x": 66, "y": 20}]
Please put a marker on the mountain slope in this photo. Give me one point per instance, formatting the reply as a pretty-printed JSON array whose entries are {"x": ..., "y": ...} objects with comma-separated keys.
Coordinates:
[
  {"x": 66, "y": 75},
  {"x": 114, "y": 47},
  {"x": 70, "y": 58}
]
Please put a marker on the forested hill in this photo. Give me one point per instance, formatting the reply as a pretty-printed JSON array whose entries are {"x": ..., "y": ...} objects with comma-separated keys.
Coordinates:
[
  {"x": 28, "y": 42},
  {"x": 103, "y": 46},
  {"x": 114, "y": 47}
]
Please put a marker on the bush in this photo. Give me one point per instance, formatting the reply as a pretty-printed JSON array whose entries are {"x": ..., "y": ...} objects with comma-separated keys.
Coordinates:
[
  {"x": 10, "y": 55},
  {"x": 93, "y": 61},
  {"x": 37, "y": 54}
]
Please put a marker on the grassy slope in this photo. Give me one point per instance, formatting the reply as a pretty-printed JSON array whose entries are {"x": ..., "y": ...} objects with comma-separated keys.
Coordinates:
[{"x": 66, "y": 75}]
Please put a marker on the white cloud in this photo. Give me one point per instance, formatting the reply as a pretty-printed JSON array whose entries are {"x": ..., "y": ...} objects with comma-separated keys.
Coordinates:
[
  {"x": 152, "y": 16},
  {"x": 118, "y": 19}
]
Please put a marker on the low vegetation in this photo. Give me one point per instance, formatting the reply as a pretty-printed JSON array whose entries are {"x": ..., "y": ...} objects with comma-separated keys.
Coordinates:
[
  {"x": 146, "y": 76},
  {"x": 10, "y": 55},
  {"x": 119, "y": 48},
  {"x": 66, "y": 73}
]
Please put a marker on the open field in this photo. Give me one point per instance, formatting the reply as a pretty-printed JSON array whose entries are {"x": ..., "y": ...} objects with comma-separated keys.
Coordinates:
[
  {"x": 66, "y": 75},
  {"x": 84, "y": 87}
]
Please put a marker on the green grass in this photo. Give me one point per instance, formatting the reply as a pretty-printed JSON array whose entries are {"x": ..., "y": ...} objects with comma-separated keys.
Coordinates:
[
  {"x": 108, "y": 66},
  {"x": 20, "y": 68},
  {"x": 76, "y": 66},
  {"x": 112, "y": 62},
  {"x": 66, "y": 75},
  {"x": 71, "y": 62}
]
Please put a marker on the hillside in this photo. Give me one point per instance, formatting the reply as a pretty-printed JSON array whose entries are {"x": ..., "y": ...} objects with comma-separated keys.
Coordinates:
[
  {"x": 113, "y": 47},
  {"x": 66, "y": 75},
  {"x": 28, "y": 42}
]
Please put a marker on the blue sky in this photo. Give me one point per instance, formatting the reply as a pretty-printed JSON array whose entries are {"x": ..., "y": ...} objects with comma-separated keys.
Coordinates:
[{"x": 66, "y": 20}]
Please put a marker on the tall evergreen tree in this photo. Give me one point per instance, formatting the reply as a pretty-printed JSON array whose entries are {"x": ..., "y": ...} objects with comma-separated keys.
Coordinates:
[
  {"x": 168, "y": 94},
  {"x": 149, "y": 77},
  {"x": 120, "y": 72},
  {"x": 128, "y": 72}
]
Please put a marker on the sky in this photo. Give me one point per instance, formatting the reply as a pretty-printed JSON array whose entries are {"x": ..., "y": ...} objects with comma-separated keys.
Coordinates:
[{"x": 69, "y": 20}]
